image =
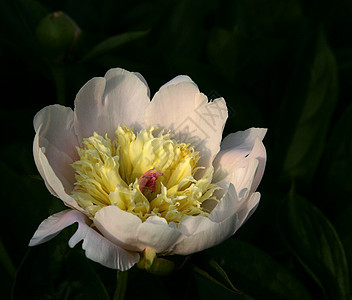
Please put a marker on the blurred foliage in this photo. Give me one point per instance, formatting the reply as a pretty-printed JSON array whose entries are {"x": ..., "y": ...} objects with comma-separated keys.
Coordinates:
[{"x": 284, "y": 65}]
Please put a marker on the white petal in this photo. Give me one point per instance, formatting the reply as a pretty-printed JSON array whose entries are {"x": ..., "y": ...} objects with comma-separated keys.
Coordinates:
[
  {"x": 157, "y": 234},
  {"x": 188, "y": 114},
  {"x": 201, "y": 233},
  {"x": 227, "y": 206},
  {"x": 118, "y": 226},
  {"x": 246, "y": 145},
  {"x": 54, "y": 150},
  {"x": 55, "y": 185},
  {"x": 243, "y": 141},
  {"x": 232, "y": 204},
  {"x": 141, "y": 78},
  {"x": 102, "y": 103},
  {"x": 128, "y": 231},
  {"x": 51, "y": 227},
  {"x": 178, "y": 79},
  {"x": 97, "y": 248},
  {"x": 56, "y": 138},
  {"x": 247, "y": 209}
]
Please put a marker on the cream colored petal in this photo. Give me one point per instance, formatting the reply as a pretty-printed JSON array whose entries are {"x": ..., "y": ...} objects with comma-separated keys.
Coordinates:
[
  {"x": 247, "y": 209},
  {"x": 187, "y": 113},
  {"x": 178, "y": 79},
  {"x": 157, "y": 234},
  {"x": 128, "y": 231},
  {"x": 52, "y": 180},
  {"x": 119, "y": 226},
  {"x": 103, "y": 103},
  {"x": 227, "y": 206},
  {"x": 201, "y": 233},
  {"x": 56, "y": 138},
  {"x": 245, "y": 147},
  {"x": 54, "y": 150},
  {"x": 97, "y": 248}
]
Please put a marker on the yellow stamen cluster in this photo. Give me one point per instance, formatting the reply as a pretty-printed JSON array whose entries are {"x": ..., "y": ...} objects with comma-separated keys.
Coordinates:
[{"x": 108, "y": 172}]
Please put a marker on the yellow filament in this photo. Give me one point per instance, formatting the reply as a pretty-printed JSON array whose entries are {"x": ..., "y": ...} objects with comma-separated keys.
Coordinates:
[{"x": 107, "y": 173}]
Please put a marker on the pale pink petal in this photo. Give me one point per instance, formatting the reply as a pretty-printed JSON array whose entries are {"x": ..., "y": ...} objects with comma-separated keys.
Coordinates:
[
  {"x": 246, "y": 145},
  {"x": 52, "y": 226},
  {"x": 56, "y": 139},
  {"x": 178, "y": 79},
  {"x": 231, "y": 204},
  {"x": 141, "y": 78},
  {"x": 103, "y": 103},
  {"x": 185, "y": 111},
  {"x": 243, "y": 141},
  {"x": 202, "y": 233},
  {"x": 227, "y": 206},
  {"x": 242, "y": 178},
  {"x": 54, "y": 150},
  {"x": 258, "y": 153},
  {"x": 247, "y": 209},
  {"x": 157, "y": 234},
  {"x": 56, "y": 185},
  {"x": 97, "y": 248},
  {"x": 128, "y": 231},
  {"x": 118, "y": 226}
]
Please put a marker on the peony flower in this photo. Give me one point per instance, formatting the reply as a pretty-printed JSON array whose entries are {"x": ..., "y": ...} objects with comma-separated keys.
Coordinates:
[{"x": 145, "y": 176}]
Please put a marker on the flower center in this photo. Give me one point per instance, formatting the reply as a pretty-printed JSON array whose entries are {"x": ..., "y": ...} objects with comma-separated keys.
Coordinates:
[{"x": 140, "y": 173}]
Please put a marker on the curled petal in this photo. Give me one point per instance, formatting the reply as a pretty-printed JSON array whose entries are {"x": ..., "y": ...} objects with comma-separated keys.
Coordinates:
[
  {"x": 237, "y": 151},
  {"x": 128, "y": 231},
  {"x": 54, "y": 150},
  {"x": 97, "y": 248},
  {"x": 201, "y": 233},
  {"x": 157, "y": 234},
  {"x": 55, "y": 138}
]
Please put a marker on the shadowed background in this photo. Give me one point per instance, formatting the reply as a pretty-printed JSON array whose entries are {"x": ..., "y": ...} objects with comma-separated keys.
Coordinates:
[{"x": 283, "y": 65}]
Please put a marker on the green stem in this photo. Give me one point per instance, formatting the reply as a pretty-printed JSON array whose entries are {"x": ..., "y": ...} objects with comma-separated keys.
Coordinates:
[
  {"x": 58, "y": 72},
  {"x": 6, "y": 261},
  {"x": 121, "y": 285}
]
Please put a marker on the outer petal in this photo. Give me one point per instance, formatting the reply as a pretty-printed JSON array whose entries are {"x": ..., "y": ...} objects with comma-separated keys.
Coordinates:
[
  {"x": 232, "y": 204},
  {"x": 128, "y": 231},
  {"x": 236, "y": 151},
  {"x": 97, "y": 247},
  {"x": 157, "y": 234},
  {"x": 180, "y": 107},
  {"x": 102, "y": 103},
  {"x": 54, "y": 150},
  {"x": 178, "y": 79},
  {"x": 201, "y": 233}
]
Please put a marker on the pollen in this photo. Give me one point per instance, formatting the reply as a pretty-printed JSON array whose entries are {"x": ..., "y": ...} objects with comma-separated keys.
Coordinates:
[{"x": 141, "y": 173}]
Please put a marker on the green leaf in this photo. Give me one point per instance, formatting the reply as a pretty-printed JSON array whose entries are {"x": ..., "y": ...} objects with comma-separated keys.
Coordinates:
[
  {"x": 6, "y": 262},
  {"x": 339, "y": 154},
  {"x": 309, "y": 137},
  {"x": 55, "y": 271},
  {"x": 211, "y": 290},
  {"x": 206, "y": 266},
  {"x": 315, "y": 243},
  {"x": 113, "y": 43},
  {"x": 256, "y": 273}
]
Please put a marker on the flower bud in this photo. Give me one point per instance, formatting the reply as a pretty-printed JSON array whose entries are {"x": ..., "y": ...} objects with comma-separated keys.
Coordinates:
[
  {"x": 155, "y": 265},
  {"x": 56, "y": 34}
]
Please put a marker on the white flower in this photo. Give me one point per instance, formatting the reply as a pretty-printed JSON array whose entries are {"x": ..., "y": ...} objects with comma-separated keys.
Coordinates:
[{"x": 140, "y": 174}]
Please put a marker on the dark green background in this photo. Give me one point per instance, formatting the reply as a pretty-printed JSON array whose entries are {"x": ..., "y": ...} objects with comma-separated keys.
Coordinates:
[{"x": 283, "y": 65}]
